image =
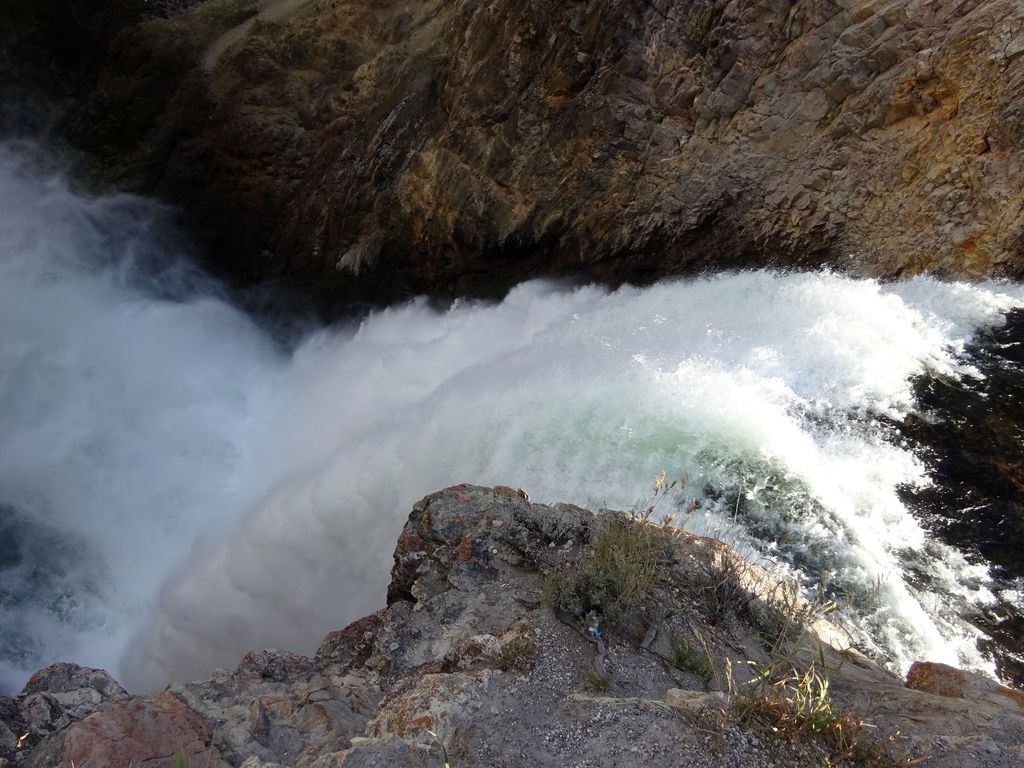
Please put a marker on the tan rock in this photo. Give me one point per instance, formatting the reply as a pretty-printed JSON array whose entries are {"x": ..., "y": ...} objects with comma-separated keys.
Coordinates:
[
  {"x": 152, "y": 731},
  {"x": 951, "y": 682},
  {"x": 696, "y": 701}
]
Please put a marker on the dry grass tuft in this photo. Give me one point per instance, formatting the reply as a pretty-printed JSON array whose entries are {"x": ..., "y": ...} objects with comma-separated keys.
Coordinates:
[
  {"x": 690, "y": 659},
  {"x": 627, "y": 557},
  {"x": 796, "y": 706},
  {"x": 599, "y": 682},
  {"x": 791, "y": 703},
  {"x": 519, "y": 654}
]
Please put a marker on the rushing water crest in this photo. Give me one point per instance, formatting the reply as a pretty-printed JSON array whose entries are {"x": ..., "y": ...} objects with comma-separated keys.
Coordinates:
[{"x": 175, "y": 489}]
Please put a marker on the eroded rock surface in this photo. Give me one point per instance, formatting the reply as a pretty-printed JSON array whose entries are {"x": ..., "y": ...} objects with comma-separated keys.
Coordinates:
[
  {"x": 456, "y": 146},
  {"x": 53, "y": 699},
  {"x": 469, "y": 647},
  {"x": 156, "y": 731},
  {"x": 363, "y": 150}
]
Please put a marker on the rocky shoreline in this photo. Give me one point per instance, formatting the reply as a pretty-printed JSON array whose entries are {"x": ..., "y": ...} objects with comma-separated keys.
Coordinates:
[{"x": 479, "y": 652}]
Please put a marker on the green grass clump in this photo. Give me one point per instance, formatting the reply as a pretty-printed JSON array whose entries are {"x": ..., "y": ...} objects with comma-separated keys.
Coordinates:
[
  {"x": 627, "y": 557},
  {"x": 624, "y": 562},
  {"x": 794, "y": 705},
  {"x": 519, "y": 653},
  {"x": 690, "y": 659}
]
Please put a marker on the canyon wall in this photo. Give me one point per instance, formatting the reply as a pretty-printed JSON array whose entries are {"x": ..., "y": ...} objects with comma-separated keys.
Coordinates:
[{"x": 366, "y": 151}]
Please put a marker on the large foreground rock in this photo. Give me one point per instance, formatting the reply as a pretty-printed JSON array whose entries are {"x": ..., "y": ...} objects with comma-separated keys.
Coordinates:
[
  {"x": 469, "y": 648},
  {"x": 367, "y": 150},
  {"x": 53, "y": 699},
  {"x": 155, "y": 732}
]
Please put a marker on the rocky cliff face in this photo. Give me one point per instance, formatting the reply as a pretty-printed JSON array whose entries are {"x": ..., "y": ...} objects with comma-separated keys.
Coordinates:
[
  {"x": 471, "y": 649},
  {"x": 368, "y": 150}
]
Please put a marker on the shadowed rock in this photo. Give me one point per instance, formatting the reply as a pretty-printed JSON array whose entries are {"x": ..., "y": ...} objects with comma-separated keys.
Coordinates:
[{"x": 365, "y": 151}]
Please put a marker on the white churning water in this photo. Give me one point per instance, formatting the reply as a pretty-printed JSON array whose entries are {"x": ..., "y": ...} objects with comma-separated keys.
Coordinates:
[{"x": 175, "y": 489}]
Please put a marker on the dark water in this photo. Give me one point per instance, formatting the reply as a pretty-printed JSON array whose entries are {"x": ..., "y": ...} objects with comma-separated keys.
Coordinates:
[
  {"x": 49, "y": 584},
  {"x": 970, "y": 433}
]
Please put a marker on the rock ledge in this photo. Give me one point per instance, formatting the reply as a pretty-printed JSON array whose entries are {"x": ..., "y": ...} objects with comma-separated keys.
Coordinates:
[{"x": 468, "y": 647}]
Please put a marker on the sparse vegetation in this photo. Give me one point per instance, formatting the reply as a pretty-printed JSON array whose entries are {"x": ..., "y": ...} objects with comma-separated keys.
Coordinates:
[
  {"x": 793, "y": 704},
  {"x": 628, "y": 555},
  {"x": 598, "y": 681},
  {"x": 720, "y": 590},
  {"x": 623, "y": 564},
  {"x": 784, "y": 620},
  {"x": 788, "y": 699},
  {"x": 519, "y": 653},
  {"x": 729, "y": 586},
  {"x": 690, "y": 659}
]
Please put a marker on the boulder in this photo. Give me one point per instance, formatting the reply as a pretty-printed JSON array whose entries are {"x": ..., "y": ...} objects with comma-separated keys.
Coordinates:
[
  {"x": 157, "y": 731},
  {"x": 12, "y": 729},
  {"x": 944, "y": 680},
  {"x": 62, "y": 694}
]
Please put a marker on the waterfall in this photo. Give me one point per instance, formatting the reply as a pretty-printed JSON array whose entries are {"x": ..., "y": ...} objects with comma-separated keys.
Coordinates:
[{"x": 176, "y": 488}]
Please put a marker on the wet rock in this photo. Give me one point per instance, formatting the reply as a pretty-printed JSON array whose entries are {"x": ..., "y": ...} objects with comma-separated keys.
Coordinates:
[{"x": 969, "y": 434}]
